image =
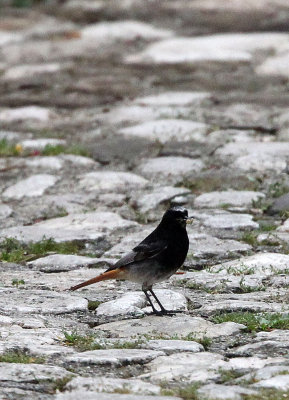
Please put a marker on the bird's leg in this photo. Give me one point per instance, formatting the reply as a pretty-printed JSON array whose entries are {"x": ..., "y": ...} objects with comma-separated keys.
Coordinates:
[
  {"x": 155, "y": 311},
  {"x": 163, "y": 310}
]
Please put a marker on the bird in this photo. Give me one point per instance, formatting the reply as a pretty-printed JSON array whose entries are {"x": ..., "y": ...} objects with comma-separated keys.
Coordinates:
[{"x": 154, "y": 259}]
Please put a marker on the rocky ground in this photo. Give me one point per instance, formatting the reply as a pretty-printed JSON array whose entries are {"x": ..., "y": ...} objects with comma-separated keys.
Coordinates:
[{"x": 111, "y": 111}]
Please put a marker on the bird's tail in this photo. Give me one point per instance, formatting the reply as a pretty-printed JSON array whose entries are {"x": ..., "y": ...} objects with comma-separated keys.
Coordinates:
[{"x": 113, "y": 274}]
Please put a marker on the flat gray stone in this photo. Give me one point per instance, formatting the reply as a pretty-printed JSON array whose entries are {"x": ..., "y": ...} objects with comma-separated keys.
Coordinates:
[
  {"x": 27, "y": 71},
  {"x": 171, "y": 168},
  {"x": 114, "y": 357},
  {"x": 236, "y": 198},
  {"x": 262, "y": 263},
  {"x": 62, "y": 262},
  {"x": 204, "y": 246},
  {"x": 31, "y": 373},
  {"x": 232, "y": 305},
  {"x": 173, "y": 99},
  {"x": 266, "y": 372},
  {"x": 35, "y": 340},
  {"x": 50, "y": 162},
  {"x": 226, "y": 221},
  {"x": 148, "y": 202},
  {"x": 274, "y": 66},
  {"x": 36, "y": 113},
  {"x": 263, "y": 347},
  {"x": 33, "y": 186},
  {"x": 256, "y": 156},
  {"x": 40, "y": 144},
  {"x": 108, "y": 385},
  {"x": 278, "y": 382},
  {"x": 126, "y": 30},
  {"x": 284, "y": 227},
  {"x": 219, "y": 282},
  {"x": 89, "y": 226},
  {"x": 180, "y": 326},
  {"x": 80, "y": 161},
  {"x": 129, "y": 303},
  {"x": 79, "y": 394},
  {"x": 174, "y": 346},
  {"x": 214, "y": 391},
  {"x": 167, "y": 130},
  {"x": 199, "y": 367},
  {"x": 111, "y": 181},
  {"x": 40, "y": 301},
  {"x": 5, "y": 211},
  {"x": 134, "y": 302},
  {"x": 228, "y": 47}
]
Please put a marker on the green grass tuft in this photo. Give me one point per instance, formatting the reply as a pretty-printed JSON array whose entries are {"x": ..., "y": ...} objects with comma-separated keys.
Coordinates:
[
  {"x": 20, "y": 357},
  {"x": 7, "y": 149},
  {"x": 51, "y": 150},
  {"x": 255, "y": 322},
  {"x": 12, "y": 250}
]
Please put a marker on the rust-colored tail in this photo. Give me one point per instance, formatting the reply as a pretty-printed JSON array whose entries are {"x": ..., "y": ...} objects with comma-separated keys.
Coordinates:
[{"x": 113, "y": 274}]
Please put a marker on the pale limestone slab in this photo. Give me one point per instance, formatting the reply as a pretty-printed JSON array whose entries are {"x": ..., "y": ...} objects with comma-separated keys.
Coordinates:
[
  {"x": 40, "y": 301},
  {"x": 111, "y": 181},
  {"x": 62, "y": 262},
  {"x": 36, "y": 113},
  {"x": 227, "y": 47},
  {"x": 149, "y": 201},
  {"x": 108, "y": 385},
  {"x": 180, "y": 325},
  {"x": 169, "y": 168},
  {"x": 114, "y": 357},
  {"x": 166, "y": 130},
  {"x": 173, "y": 99},
  {"x": 262, "y": 263},
  {"x": 34, "y": 186},
  {"x": 117, "y": 31},
  {"x": 88, "y": 226},
  {"x": 238, "y": 198}
]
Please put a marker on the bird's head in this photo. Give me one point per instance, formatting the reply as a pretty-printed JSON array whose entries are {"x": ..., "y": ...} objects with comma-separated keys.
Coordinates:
[{"x": 177, "y": 215}]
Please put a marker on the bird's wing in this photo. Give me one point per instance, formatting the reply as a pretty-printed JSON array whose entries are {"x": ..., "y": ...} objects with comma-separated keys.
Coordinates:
[{"x": 141, "y": 252}]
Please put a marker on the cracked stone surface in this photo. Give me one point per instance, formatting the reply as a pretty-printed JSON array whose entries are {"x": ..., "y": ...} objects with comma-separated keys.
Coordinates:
[{"x": 111, "y": 112}]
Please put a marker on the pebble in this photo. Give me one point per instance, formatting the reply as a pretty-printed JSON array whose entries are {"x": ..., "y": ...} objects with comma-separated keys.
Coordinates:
[
  {"x": 40, "y": 144},
  {"x": 173, "y": 99},
  {"x": 5, "y": 211},
  {"x": 27, "y": 71}
]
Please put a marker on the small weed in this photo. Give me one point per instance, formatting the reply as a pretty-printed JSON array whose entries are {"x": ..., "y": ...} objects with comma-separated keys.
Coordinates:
[
  {"x": 128, "y": 345},
  {"x": 18, "y": 282},
  {"x": 189, "y": 392},
  {"x": 122, "y": 390},
  {"x": 261, "y": 204},
  {"x": 92, "y": 305},
  {"x": 250, "y": 238},
  {"x": 80, "y": 342},
  {"x": 60, "y": 383},
  {"x": 51, "y": 150},
  {"x": 12, "y": 250},
  {"x": 228, "y": 375},
  {"x": 255, "y": 322},
  {"x": 204, "y": 341},
  {"x": 277, "y": 189},
  {"x": 7, "y": 149},
  {"x": 20, "y": 357}
]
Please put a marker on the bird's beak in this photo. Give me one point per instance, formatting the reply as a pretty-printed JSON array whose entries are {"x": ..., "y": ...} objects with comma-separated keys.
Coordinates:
[{"x": 189, "y": 220}]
